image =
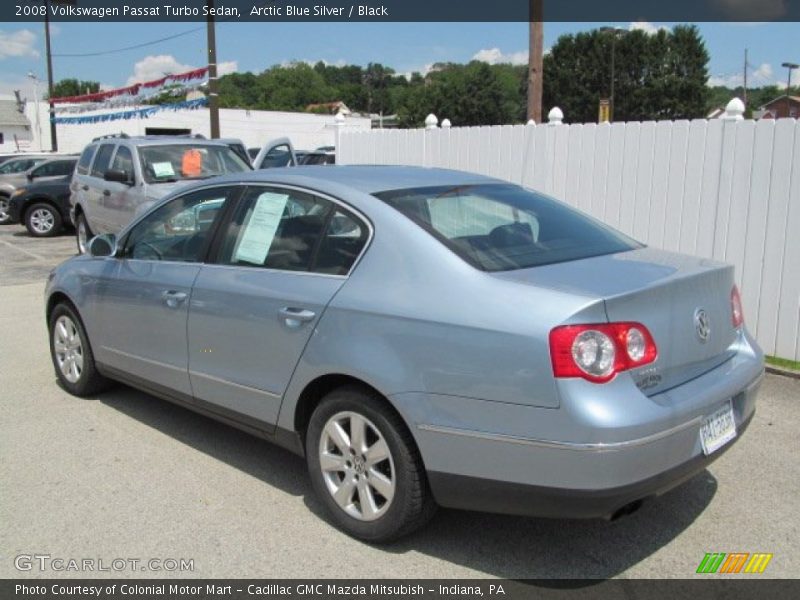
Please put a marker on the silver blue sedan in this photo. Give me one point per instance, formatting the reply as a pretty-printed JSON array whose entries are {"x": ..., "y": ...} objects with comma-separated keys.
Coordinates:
[{"x": 423, "y": 337}]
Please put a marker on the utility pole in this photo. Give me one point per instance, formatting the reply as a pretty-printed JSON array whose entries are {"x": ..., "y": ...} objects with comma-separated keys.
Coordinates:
[
  {"x": 614, "y": 31},
  {"x": 790, "y": 67},
  {"x": 53, "y": 136},
  {"x": 213, "y": 96},
  {"x": 536, "y": 61},
  {"x": 744, "y": 99}
]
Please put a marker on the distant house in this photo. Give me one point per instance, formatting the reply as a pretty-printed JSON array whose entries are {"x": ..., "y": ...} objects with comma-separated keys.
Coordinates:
[
  {"x": 329, "y": 108},
  {"x": 15, "y": 128},
  {"x": 717, "y": 113},
  {"x": 781, "y": 108}
]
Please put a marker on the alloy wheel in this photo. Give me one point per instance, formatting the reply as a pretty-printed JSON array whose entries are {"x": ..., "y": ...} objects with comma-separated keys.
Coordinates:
[
  {"x": 357, "y": 466},
  {"x": 68, "y": 348},
  {"x": 42, "y": 221}
]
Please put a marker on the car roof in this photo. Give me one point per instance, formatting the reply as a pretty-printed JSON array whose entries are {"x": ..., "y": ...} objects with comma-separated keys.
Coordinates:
[
  {"x": 364, "y": 178},
  {"x": 157, "y": 140}
]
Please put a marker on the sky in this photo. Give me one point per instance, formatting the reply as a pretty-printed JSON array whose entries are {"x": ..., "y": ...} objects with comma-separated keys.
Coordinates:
[{"x": 402, "y": 46}]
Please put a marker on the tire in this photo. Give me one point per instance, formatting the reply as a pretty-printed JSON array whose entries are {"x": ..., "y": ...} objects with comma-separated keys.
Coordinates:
[
  {"x": 4, "y": 216},
  {"x": 71, "y": 353},
  {"x": 82, "y": 233},
  {"x": 43, "y": 220},
  {"x": 350, "y": 471}
]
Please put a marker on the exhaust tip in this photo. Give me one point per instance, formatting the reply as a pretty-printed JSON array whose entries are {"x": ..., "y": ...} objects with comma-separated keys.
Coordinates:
[{"x": 626, "y": 510}]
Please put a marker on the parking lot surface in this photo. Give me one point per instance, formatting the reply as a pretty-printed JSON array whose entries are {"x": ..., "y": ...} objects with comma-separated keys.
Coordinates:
[{"x": 125, "y": 475}]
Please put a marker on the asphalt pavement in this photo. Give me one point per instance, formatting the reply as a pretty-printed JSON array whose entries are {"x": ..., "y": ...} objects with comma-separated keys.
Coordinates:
[{"x": 125, "y": 476}]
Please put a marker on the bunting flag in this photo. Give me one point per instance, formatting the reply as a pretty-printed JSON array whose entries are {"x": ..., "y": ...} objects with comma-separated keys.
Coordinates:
[
  {"x": 132, "y": 90},
  {"x": 139, "y": 113},
  {"x": 126, "y": 101}
]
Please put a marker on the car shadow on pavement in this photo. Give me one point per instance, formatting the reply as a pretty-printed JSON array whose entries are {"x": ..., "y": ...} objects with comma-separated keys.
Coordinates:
[{"x": 497, "y": 545}]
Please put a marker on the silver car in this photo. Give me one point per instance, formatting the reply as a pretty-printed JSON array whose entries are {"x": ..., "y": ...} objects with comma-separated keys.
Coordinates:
[
  {"x": 423, "y": 337},
  {"x": 119, "y": 176}
]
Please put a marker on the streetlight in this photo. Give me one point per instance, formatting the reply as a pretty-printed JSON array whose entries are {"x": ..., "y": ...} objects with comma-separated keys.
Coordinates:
[
  {"x": 33, "y": 77},
  {"x": 790, "y": 67},
  {"x": 615, "y": 32}
]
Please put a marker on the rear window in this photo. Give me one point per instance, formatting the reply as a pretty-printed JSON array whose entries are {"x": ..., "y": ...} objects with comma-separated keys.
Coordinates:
[{"x": 499, "y": 227}]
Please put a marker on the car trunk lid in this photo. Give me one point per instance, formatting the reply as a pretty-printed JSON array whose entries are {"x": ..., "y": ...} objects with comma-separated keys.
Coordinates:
[{"x": 675, "y": 296}]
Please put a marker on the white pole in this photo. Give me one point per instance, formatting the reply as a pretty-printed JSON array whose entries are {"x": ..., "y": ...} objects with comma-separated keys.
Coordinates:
[{"x": 36, "y": 103}]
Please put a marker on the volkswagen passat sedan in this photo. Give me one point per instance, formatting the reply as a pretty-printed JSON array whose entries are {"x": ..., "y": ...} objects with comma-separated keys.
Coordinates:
[{"x": 424, "y": 337}]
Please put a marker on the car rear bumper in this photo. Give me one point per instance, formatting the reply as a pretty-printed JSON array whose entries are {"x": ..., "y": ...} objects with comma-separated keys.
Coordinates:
[
  {"x": 13, "y": 211},
  {"x": 507, "y": 458}
]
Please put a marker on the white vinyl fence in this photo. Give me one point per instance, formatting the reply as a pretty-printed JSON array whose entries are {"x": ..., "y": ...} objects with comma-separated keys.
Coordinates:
[{"x": 727, "y": 189}]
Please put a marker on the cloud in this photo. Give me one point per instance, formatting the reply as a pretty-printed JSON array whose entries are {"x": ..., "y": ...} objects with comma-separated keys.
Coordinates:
[
  {"x": 494, "y": 56},
  {"x": 155, "y": 67},
  {"x": 226, "y": 67},
  {"x": 762, "y": 75},
  {"x": 339, "y": 63},
  {"x": 646, "y": 26},
  {"x": 18, "y": 44}
]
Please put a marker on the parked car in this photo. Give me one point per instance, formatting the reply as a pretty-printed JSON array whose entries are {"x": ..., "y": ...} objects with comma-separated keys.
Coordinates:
[
  {"x": 39, "y": 169},
  {"x": 118, "y": 177},
  {"x": 42, "y": 206},
  {"x": 276, "y": 153},
  {"x": 318, "y": 157},
  {"x": 422, "y": 337}
]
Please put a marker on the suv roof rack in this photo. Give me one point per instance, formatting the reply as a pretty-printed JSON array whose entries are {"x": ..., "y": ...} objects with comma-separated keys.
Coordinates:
[{"x": 121, "y": 135}]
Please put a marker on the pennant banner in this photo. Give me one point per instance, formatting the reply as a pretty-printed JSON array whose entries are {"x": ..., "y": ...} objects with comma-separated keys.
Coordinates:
[
  {"x": 126, "y": 101},
  {"x": 140, "y": 113},
  {"x": 131, "y": 90}
]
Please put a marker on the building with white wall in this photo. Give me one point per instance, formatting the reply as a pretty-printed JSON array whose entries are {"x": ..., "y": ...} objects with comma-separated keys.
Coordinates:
[
  {"x": 16, "y": 131},
  {"x": 254, "y": 127}
]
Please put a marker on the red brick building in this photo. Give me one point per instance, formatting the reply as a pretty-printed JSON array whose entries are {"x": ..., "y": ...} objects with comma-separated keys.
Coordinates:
[{"x": 782, "y": 107}]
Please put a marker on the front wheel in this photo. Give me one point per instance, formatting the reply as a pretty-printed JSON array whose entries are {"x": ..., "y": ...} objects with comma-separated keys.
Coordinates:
[
  {"x": 72, "y": 355},
  {"x": 82, "y": 233},
  {"x": 4, "y": 216},
  {"x": 43, "y": 220},
  {"x": 365, "y": 467}
]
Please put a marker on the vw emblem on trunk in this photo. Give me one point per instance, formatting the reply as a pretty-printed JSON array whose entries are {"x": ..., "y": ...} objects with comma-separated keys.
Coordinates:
[{"x": 702, "y": 325}]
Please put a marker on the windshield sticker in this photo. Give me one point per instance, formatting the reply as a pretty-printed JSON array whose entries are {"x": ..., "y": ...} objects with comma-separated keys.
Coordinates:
[
  {"x": 163, "y": 169},
  {"x": 260, "y": 229}
]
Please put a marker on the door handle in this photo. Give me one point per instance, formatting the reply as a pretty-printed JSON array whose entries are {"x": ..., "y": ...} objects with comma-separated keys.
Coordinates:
[
  {"x": 294, "y": 317},
  {"x": 173, "y": 299},
  {"x": 84, "y": 187}
]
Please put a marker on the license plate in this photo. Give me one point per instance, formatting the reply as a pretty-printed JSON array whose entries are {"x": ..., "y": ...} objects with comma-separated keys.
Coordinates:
[{"x": 718, "y": 429}]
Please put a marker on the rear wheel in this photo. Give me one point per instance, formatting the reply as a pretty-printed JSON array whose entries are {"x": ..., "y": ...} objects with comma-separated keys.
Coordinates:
[
  {"x": 365, "y": 467},
  {"x": 43, "y": 220},
  {"x": 82, "y": 233},
  {"x": 4, "y": 216},
  {"x": 72, "y": 355}
]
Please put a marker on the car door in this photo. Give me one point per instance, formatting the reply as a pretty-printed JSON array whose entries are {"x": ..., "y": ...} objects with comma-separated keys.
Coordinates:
[
  {"x": 276, "y": 153},
  {"x": 120, "y": 200},
  {"x": 80, "y": 180},
  {"x": 94, "y": 188},
  {"x": 143, "y": 306},
  {"x": 253, "y": 310}
]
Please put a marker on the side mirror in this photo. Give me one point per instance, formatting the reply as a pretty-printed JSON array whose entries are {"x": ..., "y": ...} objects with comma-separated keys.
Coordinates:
[
  {"x": 119, "y": 176},
  {"x": 30, "y": 176},
  {"x": 103, "y": 245}
]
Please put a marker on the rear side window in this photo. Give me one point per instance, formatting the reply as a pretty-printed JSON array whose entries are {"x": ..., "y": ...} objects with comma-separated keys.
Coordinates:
[
  {"x": 54, "y": 168},
  {"x": 292, "y": 231},
  {"x": 123, "y": 161},
  {"x": 86, "y": 159},
  {"x": 499, "y": 227},
  {"x": 102, "y": 160}
]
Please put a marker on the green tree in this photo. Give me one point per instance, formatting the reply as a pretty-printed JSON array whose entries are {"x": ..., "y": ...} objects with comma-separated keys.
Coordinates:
[{"x": 74, "y": 87}]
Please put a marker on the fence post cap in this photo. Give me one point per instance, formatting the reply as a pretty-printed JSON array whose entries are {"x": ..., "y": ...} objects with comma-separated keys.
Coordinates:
[
  {"x": 339, "y": 118},
  {"x": 555, "y": 116},
  {"x": 530, "y": 122},
  {"x": 734, "y": 111},
  {"x": 431, "y": 121},
  {"x": 446, "y": 123}
]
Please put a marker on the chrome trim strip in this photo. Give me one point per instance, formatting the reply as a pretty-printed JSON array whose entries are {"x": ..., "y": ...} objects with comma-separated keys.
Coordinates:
[
  {"x": 232, "y": 384},
  {"x": 584, "y": 447},
  {"x": 146, "y": 360}
]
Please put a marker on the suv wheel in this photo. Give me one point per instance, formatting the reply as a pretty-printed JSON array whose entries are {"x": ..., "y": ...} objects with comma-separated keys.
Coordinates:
[
  {"x": 82, "y": 233},
  {"x": 42, "y": 220},
  {"x": 4, "y": 216},
  {"x": 72, "y": 355},
  {"x": 365, "y": 467}
]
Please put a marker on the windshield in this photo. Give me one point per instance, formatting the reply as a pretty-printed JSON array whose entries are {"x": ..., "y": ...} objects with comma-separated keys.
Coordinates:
[
  {"x": 499, "y": 227},
  {"x": 178, "y": 162}
]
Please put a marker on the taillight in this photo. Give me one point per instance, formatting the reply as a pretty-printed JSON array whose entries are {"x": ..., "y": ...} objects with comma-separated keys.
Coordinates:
[
  {"x": 737, "y": 314},
  {"x": 598, "y": 352}
]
